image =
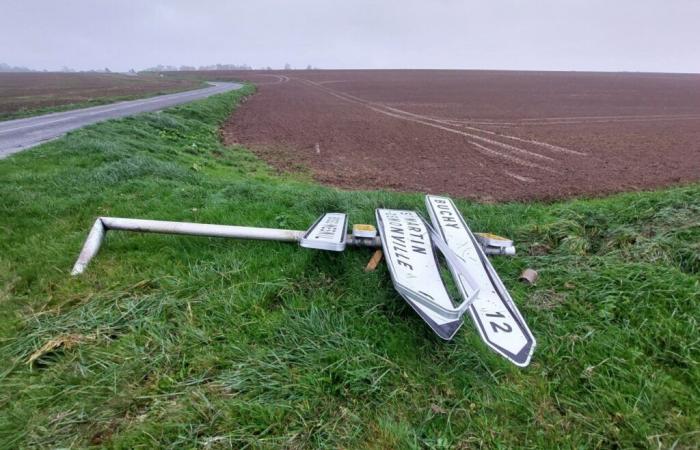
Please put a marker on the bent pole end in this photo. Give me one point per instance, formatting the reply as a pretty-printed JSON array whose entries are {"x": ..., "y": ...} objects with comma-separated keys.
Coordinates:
[
  {"x": 103, "y": 224},
  {"x": 90, "y": 248}
]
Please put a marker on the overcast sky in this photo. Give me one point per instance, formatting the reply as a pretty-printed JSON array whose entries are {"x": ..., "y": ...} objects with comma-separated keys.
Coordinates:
[{"x": 610, "y": 35}]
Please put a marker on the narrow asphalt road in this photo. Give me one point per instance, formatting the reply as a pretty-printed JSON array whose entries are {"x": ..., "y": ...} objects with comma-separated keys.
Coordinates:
[{"x": 17, "y": 135}]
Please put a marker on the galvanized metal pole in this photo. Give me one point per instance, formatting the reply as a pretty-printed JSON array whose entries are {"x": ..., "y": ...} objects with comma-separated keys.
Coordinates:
[
  {"x": 201, "y": 229},
  {"x": 104, "y": 224}
]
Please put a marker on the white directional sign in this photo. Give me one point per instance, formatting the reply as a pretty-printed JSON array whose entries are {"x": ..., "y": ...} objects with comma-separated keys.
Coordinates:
[
  {"x": 495, "y": 315},
  {"x": 327, "y": 233},
  {"x": 409, "y": 255}
]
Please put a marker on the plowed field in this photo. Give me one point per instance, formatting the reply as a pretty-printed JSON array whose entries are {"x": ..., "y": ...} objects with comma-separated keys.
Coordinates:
[
  {"x": 479, "y": 134},
  {"x": 29, "y": 92}
]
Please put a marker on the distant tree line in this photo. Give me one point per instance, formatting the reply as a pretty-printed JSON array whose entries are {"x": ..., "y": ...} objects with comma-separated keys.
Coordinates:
[
  {"x": 168, "y": 68},
  {"x": 184, "y": 68},
  {"x": 159, "y": 68},
  {"x": 4, "y": 67},
  {"x": 8, "y": 68}
]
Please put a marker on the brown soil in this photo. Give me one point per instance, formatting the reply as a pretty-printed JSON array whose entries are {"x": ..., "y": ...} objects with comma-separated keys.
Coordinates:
[
  {"x": 478, "y": 134},
  {"x": 29, "y": 91}
]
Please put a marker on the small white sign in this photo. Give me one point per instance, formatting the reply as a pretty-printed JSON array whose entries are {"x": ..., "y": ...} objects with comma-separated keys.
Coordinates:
[
  {"x": 327, "y": 233},
  {"x": 409, "y": 255},
  {"x": 493, "y": 311}
]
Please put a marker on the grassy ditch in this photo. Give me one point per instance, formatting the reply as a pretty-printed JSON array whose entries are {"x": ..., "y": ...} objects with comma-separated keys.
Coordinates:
[{"x": 195, "y": 342}]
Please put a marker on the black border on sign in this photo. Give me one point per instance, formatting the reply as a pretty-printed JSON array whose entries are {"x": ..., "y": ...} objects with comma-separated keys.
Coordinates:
[
  {"x": 523, "y": 357},
  {"x": 343, "y": 236},
  {"x": 446, "y": 332}
]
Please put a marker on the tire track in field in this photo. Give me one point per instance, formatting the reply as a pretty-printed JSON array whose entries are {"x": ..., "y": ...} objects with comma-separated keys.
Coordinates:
[
  {"x": 577, "y": 120},
  {"x": 546, "y": 145},
  {"x": 280, "y": 79},
  {"x": 485, "y": 146},
  {"x": 483, "y": 149},
  {"x": 370, "y": 105},
  {"x": 521, "y": 178}
]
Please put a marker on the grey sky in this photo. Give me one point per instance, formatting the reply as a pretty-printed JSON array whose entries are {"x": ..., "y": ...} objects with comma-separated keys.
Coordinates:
[{"x": 633, "y": 35}]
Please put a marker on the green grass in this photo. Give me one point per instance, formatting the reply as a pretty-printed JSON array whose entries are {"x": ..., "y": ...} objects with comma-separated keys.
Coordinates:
[
  {"x": 188, "y": 342},
  {"x": 23, "y": 113}
]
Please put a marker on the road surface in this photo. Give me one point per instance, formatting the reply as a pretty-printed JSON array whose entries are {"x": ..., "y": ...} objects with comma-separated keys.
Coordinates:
[{"x": 18, "y": 135}]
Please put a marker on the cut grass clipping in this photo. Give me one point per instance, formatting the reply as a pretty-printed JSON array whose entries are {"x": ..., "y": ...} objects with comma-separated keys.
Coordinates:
[{"x": 185, "y": 342}]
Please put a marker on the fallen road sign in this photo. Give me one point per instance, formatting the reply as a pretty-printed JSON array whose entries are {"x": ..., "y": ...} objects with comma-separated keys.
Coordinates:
[
  {"x": 327, "y": 233},
  {"x": 408, "y": 250},
  {"x": 411, "y": 247},
  {"x": 493, "y": 311}
]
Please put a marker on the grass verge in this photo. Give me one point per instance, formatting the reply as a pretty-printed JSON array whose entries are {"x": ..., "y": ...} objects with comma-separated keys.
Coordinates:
[{"x": 194, "y": 342}]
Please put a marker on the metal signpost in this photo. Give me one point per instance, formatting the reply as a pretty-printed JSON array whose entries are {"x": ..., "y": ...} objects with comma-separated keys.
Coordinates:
[{"x": 411, "y": 246}]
